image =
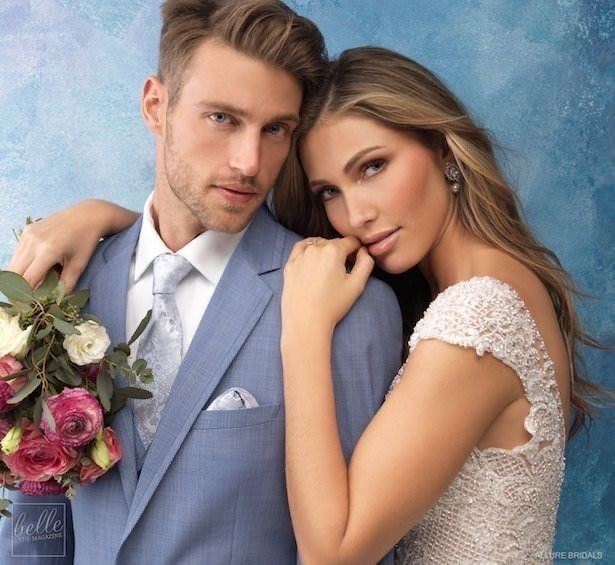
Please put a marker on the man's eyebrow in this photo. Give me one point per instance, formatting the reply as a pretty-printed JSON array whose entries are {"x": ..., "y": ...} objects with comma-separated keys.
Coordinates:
[{"x": 230, "y": 109}]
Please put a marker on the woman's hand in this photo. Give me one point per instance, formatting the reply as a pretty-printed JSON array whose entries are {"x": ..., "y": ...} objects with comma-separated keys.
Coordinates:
[
  {"x": 318, "y": 291},
  {"x": 67, "y": 238}
]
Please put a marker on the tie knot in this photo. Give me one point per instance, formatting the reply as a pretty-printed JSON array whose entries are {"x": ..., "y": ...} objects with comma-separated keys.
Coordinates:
[{"x": 169, "y": 271}]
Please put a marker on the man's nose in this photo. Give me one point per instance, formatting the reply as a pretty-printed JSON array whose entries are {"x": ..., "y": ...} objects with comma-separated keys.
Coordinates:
[{"x": 245, "y": 153}]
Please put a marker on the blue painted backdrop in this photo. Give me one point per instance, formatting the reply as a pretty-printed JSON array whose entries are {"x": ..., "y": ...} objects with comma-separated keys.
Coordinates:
[{"x": 539, "y": 73}]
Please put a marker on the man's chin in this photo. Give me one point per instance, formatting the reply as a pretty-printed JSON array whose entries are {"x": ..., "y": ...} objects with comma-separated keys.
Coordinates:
[{"x": 230, "y": 221}]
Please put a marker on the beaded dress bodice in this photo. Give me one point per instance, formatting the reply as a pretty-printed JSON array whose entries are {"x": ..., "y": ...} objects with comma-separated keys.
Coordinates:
[{"x": 501, "y": 507}]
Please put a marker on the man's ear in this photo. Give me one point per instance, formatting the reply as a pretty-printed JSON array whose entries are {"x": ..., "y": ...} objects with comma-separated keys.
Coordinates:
[{"x": 154, "y": 99}]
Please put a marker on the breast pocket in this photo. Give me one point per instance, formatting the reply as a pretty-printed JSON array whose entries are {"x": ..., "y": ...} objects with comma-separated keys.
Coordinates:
[{"x": 243, "y": 418}]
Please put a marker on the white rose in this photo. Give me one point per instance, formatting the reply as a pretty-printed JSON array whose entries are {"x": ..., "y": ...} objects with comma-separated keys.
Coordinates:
[
  {"x": 13, "y": 340},
  {"x": 88, "y": 347}
]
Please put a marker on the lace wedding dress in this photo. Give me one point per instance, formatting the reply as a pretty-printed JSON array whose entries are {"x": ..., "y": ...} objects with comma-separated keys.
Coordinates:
[{"x": 502, "y": 505}]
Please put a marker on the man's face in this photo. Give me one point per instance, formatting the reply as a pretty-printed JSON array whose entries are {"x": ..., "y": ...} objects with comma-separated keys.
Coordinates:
[{"x": 226, "y": 138}]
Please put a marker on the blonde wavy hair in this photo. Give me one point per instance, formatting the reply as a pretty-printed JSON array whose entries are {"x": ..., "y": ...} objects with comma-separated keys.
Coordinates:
[{"x": 401, "y": 94}]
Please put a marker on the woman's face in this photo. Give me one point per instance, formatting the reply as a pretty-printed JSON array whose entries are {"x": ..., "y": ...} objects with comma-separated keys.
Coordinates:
[{"x": 380, "y": 185}]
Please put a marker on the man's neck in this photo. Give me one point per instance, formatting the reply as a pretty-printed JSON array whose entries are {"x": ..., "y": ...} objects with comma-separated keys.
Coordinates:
[{"x": 173, "y": 221}]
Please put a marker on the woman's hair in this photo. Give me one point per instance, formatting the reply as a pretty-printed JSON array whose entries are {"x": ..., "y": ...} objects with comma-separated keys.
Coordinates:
[{"x": 401, "y": 94}]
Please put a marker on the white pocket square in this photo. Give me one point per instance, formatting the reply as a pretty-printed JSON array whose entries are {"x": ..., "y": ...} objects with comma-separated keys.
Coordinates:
[{"x": 234, "y": 398}]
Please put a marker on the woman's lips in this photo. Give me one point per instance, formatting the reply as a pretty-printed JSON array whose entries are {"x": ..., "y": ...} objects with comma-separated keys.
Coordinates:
[{"x": 383, "y": 244}]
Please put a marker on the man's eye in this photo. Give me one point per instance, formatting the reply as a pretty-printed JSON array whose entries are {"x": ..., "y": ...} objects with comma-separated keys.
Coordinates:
[
  {"x": 372, "y": 167},
  {"x": 276, "y": 130},
  {"x": 219, "y": 118}
]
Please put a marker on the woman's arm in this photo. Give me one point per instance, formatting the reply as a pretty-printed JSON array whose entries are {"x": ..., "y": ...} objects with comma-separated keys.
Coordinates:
[
  {"x": 409, "y": 453},
  {"x": 67, "y": 238}
]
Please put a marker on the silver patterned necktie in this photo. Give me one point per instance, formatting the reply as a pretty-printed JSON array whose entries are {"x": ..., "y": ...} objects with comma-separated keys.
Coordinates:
[{"x": 161, "y": 344}]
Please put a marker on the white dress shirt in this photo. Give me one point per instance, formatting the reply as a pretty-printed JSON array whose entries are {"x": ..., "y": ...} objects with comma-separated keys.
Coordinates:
[{"x": 209, "y": 253}]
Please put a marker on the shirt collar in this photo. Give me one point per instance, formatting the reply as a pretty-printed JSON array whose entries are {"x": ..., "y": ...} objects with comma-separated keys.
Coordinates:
[{"x": 208, "y": 253}]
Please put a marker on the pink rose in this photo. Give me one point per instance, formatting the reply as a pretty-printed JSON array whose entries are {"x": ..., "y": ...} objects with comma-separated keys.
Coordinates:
[
  {"x": 78, "y": 417},
  {"x": 36, "y": 458},
  {"x": 109, "y": 452},
  {"x": 5, "y": 426},
  {"x": 35, "y": 488},
  {"x": 9, "y": 366}
]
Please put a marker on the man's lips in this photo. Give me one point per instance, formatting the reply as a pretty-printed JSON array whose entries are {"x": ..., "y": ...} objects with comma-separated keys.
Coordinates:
[
  {"x": 236, "y": 193},
  {"x": 381, "y": 242}
]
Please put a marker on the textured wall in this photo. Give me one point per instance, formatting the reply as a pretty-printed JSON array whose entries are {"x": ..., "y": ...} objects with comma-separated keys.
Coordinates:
[{"x": 539, "y": 74}]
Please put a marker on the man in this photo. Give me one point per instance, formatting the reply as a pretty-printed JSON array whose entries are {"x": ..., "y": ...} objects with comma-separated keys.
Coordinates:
[{"x": 199, "y": 482}]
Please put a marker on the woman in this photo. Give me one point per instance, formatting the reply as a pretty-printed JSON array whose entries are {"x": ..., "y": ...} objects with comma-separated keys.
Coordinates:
[{"x": 466, "y": 453}]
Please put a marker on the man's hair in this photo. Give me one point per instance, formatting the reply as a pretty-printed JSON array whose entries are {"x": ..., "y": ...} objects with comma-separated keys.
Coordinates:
[{"x": 265, "y": 29}]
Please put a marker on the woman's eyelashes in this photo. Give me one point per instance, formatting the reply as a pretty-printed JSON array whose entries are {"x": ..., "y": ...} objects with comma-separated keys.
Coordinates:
[
  {"x": 326, "y": 192},
  {"x": 371, "y": 167}
]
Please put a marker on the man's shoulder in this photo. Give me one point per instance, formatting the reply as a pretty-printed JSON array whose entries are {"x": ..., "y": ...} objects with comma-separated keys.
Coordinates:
[{"x": 121, "y": 242}]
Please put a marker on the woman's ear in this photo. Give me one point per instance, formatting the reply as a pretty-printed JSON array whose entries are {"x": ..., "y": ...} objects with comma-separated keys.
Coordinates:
[{"x": 154, "y": 98}]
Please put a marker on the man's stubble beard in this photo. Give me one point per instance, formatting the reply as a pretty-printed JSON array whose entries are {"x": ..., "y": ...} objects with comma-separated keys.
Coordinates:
[{"x": 182, "y": 181}]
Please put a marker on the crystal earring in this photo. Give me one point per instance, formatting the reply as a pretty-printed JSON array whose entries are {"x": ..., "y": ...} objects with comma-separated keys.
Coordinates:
[{"x": 454, "y": 177}]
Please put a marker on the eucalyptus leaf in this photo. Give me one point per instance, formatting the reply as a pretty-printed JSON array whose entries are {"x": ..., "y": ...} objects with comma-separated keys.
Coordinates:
[
  {"x": 117, "y": 358},
  {"x": 37, "y": 411},
  {"x": 139, "y": 366},
  {"x": 68, "y": 378},
  {"x": 23, "y": 308},
  {"x": 146, "y": 376},
  {"x": 92, "y": 318},
  {"x": 123, "y": 347},
  {"x": 56, "y": 312},
  {"x": 117, "y": 402},
  {"x": 30, "y": 387},
  {"x": 5, "y": 513},
  {"x": 4, "y": 503},
  {"x": 39, "y": 354},
  {"x": 78, "y": 298},
  {"x": 47, "y": 286},
  {"x": 42, "y": 334},
  {"x": 48, "y": 416},
  {"x": 15, "y": 287},
  {"x": 140, "y": 328},
  {"x": 59, "y": 292},
  {"x": 104, "y": 388},
  {"x": 65, "y": 327},
  {"x": 65, "y": 365},
  {"x": 134, "y": 392}
]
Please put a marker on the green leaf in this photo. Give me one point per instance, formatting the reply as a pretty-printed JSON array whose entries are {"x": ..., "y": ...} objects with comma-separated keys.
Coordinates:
[
  {"x": 48, "y": 417},
  {"x": 30, "y": 387},
  {"x": 56, "y": 312},
  {"x": 67, "y": 377},
  {"x": 37, "y": 411},
  {"x": 47, "y": 286},
  {"x": 146, "y": 376},
  {"x": 39, "y": 354},
  {"x": 93, "y": 318},
  {"x": 139, "y": 366},
  {"x": 15, "y": 287},
  {"x": 59, "y": 292},
  {"x": 104, "y": 388},
  {"x": 123, "y": 347},
  {"x": 42, "y": 334},
  {"x": 65, "y": 327},
  {"x": 134, "y": 392},
  {"x": 117, "y": 358},
  {"x": 23, "y": 309},
  {"x": 4, "y": 503},
  {"x": 78, "y": 298},
  {"x": 117, "y": 402},
  {"x": 5, "y": 513},
  {"x": 142, "y": 325}
]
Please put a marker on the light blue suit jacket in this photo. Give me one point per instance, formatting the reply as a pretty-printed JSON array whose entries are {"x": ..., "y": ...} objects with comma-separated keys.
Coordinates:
[{"x": 210, "y": 488}]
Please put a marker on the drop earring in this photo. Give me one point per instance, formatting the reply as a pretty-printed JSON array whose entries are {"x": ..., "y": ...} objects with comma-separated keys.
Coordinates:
[{"x": 453, "y": 175}]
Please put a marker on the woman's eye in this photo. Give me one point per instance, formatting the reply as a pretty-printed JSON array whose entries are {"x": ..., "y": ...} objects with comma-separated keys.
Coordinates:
[
  {"x": 220, "y": 118},
  {"x": 327, "y": 192},
  {"x": 372, "y": 167}
]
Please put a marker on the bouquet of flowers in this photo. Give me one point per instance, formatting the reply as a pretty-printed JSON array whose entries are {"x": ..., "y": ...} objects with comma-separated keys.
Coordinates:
[{"x": 56, "y": 389}]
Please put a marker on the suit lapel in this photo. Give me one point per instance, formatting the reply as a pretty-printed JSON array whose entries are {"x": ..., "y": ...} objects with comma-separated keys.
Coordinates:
[
  {"x": 108, "y": 291},
  {"x": 236, "y": 306}
]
